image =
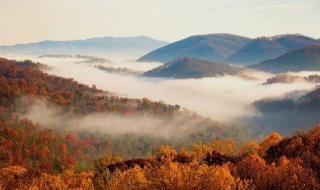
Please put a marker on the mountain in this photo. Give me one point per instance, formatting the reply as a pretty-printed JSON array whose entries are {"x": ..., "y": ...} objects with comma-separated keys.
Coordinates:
[
  {"x": 212, "y": 47},
  {"x": 297, "y": 110},
  {"x": 264, "y": 48},
  {"x": 191, "y": 68},
  {"x": 94, "y": 46},
  {"x": 305, "y": 59}
]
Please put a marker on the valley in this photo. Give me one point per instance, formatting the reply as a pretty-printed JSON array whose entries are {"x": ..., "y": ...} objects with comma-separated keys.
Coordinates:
[{"x": 159, "y": 95}]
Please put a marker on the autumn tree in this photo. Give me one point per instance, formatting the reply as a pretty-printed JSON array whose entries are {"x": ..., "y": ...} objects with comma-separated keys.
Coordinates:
[
  {"x": 101, "y": 172},
  {"x": 272, "y": 139}
]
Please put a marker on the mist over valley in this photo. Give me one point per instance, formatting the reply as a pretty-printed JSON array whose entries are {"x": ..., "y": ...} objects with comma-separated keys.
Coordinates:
[{"x": 159, "y": 95}]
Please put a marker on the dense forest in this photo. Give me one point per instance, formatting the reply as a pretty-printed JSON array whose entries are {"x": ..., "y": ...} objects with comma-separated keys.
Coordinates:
[{"x": 209, "y": 155}]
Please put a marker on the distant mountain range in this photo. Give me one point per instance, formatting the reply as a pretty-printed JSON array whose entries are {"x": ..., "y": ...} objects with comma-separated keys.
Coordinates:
[
  {"x": 305, "y": 59},
  {"x": 230, "y": 48},
  {"x": 92, "y": 46},
  {"x": 213, "y": 47},
  {"x": 226, "y": 48},
  {"x": 192, "y": 68}
]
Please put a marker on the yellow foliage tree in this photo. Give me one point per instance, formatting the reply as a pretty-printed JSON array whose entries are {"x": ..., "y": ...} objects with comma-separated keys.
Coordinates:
[
  {"x": 249, "y": 148},
  {"x": 272, "y": 139},
  {"x": 165, "y": 153},
  {"x": 176, "y": 176},
  {"x": 101, "y": 172},
  {"x": 133, "y": 179},
  {"x": 13, "y": 177}
]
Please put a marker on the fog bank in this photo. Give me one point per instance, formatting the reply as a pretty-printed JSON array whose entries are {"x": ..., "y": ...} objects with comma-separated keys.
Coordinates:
[
  {"x": 36, "y": 109},
  {"x": 224, "y": 99}
]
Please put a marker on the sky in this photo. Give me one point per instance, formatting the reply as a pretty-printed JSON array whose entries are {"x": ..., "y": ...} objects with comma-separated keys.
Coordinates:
[{"x": 23, "y": 21}]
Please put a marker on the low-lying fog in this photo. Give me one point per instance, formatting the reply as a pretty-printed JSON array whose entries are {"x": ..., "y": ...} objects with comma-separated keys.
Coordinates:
[
  {"x": 225, "y": 99},
  {"x": 36, "y": 109}
]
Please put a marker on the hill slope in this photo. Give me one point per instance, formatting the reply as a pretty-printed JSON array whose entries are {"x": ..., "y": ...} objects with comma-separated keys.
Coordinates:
[
  {"x": 213, "y": 47},
  {"x": 191, "y": 68},
  {"x": 305, "y": 59},
  {"x": 264, "y": 48},
  {"x": 93, "y": 46},
  {"x": 287, "y": 114}
]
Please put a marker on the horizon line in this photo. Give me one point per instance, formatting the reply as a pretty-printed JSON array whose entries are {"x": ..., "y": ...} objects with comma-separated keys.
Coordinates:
[{"x": 146, "y": 36}]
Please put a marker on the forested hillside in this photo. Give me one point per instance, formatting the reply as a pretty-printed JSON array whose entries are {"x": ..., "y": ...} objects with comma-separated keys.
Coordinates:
[
  {"x": 298, "y": 110},
  {"x": 58, "y": 146},
  {"x": 265, "y": 48},
  {"x": 305, "y": 59},
  {"x": 23, "y": 84}
]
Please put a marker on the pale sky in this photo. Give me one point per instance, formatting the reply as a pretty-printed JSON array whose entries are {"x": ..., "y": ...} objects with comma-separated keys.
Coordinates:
[{"x": 35, "y": 20}]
